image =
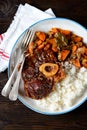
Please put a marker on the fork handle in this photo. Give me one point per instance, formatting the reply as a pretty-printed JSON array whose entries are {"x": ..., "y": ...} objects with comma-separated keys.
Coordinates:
[
  {"x": 14, "y": 91},
  {"x": 7, "y": 88}
]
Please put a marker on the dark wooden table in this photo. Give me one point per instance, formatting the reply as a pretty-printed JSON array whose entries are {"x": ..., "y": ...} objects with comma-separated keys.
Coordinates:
[{"x": 14, "y": 115}]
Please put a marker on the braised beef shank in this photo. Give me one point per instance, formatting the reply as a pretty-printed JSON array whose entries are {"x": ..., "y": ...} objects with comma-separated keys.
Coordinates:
[{"x": 36, "y": 84}]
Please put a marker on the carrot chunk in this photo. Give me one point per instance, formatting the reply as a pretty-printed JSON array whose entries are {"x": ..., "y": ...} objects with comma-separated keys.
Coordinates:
[
  {"x": 31, "y": 47},
  {"x": 76, "y": 62},
  {"x": 41, "y": 35},
  {"x": 77, "y": 39},
  {"x": 54, "y": 30},
  {"x": 64, "y": 54},
  {"x": 39, "y": 42},
  {"x": 65, "y": 32},
  {"x": 74, "y": 48},
  {"x": 40, "y": 47}
]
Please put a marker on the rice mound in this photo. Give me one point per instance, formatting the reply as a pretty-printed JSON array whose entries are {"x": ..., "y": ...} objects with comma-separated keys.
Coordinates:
[{"x": 67, "y": 91}]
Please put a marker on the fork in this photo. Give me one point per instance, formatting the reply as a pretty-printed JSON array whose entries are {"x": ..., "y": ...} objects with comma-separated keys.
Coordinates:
[{"x": 11, "y": 89}]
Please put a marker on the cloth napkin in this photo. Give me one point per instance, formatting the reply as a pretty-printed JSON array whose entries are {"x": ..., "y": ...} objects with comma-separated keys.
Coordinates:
[{"x": 25, "y": 16}]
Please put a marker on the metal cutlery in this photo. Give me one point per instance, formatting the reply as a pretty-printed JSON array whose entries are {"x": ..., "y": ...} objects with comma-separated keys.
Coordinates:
[{"x": 11, "y": 88}]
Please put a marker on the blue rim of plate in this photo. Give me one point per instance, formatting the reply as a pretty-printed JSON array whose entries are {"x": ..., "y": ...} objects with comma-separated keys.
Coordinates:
[{"x": 19, "y": 97}]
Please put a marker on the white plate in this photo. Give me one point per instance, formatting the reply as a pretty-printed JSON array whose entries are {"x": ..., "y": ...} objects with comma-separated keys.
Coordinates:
[{"x": 46, "y": 25}]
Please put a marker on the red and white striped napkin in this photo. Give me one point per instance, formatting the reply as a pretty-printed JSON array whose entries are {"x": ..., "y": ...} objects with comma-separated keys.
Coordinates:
[{"x": 25, "y": 16}]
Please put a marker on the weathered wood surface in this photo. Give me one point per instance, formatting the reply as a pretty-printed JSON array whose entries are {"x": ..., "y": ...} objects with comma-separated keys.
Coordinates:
[{"x": 14, "y": 115}]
